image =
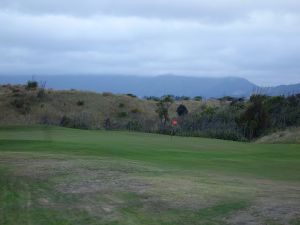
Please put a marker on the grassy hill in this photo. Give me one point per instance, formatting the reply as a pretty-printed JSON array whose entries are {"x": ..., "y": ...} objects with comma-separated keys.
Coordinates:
[
  {"x": 226, "y": 118},
  {"x": 20, "y": 106},
  {"x": 52, "y": 175}
]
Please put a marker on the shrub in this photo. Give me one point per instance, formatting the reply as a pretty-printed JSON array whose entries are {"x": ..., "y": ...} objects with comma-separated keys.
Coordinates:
[
  {"x": 121, "y": 105},
  {"x": 107, "y": 94},
  {"x": 198, "y": 98},
  {"x": 41, "y": 94},
  {"x": 182, "y": 110},
  {"x": 134, "y": 125},
  {"x": 16, "y": 90},
  {"x": 21, "y": 105},
  {"x": 180, "y": 98},
  {"x": 131, "y": 95},
  {"x": 80, "y": 103},
  {"x": 65, "y": 121},
  {"x": 122, "y": 114},
  {"x": 32, "y": 84},
  {"x": 18, "y": 103},
  {"x": 107, "y": 124},
  {"x": 153, "y": 98},
  {"x": 136, "y": 111}
]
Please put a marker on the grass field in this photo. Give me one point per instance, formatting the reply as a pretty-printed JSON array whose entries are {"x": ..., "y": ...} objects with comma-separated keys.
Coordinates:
[{"x": 65, "y": 176}]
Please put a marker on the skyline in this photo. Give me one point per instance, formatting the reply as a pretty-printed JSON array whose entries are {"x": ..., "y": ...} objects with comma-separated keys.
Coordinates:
[{"x": 256, "y": 40}]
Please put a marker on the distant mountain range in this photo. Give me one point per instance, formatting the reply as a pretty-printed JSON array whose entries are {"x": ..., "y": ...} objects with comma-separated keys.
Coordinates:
[{"x": 158, "y": 86}]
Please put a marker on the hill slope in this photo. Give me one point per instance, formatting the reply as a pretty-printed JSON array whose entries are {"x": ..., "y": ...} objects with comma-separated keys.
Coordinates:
[
  {"x": 282, "y": 90},
  {"x": 291, "y": 135},
  {"x": 19, "y": 106}
]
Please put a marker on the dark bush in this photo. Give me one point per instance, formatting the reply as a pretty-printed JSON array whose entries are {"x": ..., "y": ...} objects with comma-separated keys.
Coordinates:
[
  {"x": 198, "y": 98},
  {"x": 121, "y": 105},
  {"x": 122, "y": 114},
  {"x": 182, "y": 110},
  {"x": 21, "y": 104},
  {"x": 80, "y": 103},
  {"x": 131, "y": 95},
  {"x": 153, "y": 98},
  {"x": 107, "y": 124},
  {"x": 134, "y": 126},
  {"x": 136, "y": 111},
  {"x": 66, "y": 121},
  {"x": 32, "y": 84},
  {"x": 41, "y": 94}
]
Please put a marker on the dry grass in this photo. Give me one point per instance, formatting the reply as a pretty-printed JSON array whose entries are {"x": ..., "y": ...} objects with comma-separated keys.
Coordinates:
[
  {"x": 291, "y": 135},
  {"x": 104, "y": 187},
  {"x": 95, "y": 110}
]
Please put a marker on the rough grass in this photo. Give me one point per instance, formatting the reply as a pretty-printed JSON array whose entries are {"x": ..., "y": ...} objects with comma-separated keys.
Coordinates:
[
  {"x": 65, "y": 176},
  {"x": 291, "y": 135},
  {"x": 95, "y": 108}
]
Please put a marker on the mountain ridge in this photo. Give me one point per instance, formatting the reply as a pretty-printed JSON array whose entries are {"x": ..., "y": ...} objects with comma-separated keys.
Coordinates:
[{"x": 207, "y": 87}]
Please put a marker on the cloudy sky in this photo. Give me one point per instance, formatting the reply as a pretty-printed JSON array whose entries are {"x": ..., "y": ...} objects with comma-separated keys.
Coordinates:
[{"x": 255, "y": 39}]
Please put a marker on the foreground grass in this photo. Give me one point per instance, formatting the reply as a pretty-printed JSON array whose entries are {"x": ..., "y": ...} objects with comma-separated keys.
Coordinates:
[{"x": 64, "y": 176}]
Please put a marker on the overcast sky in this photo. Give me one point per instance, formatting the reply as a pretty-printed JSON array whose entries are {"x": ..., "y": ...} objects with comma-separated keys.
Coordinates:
[{"x": 255, "y": 39}]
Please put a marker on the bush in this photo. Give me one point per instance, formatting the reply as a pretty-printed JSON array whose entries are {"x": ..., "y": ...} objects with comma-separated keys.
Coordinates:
[
  {"x": 41, "y": 94},
  {"x": 107, "y": 94},
  {"x": 131, "y": 95},
  {"x": 134, "y": 125},
  {"x": 66, "y": 121},
  {"x": 198, "y": 98},
  {"x": 79, "y": 121},
  {"x": 80, "y": 103},
  {"x": 180, "y": 98},
  {"x": 136, "y": 111},
  {"x": 32, "y": 84},
  {"x": 21, "y": 105},
  {"x": 121, "y": 105},
  {"x": 107, "y": 124},
  {"x": 153, "y": 98},
  {"x": 122, "y": 114},
  {"x": 182, "y": 110}
]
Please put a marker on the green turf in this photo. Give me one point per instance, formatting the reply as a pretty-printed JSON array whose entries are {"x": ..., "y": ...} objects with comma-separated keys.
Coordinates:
[{"x": 52, "y": 175}]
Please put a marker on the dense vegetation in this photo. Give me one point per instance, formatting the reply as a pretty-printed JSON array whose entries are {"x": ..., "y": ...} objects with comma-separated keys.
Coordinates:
[
  {"x": 224, "y": 118},
  {"x": 242, "y": 119}
]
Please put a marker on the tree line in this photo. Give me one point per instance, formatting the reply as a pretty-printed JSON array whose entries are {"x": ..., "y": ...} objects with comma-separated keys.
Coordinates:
[
  {"x": 238, "y": 119},
  {"x": 233, "y": 119}
]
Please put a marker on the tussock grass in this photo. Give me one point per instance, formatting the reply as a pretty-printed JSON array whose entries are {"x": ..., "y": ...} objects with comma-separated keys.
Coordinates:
[{"x": 290, "y": 135}]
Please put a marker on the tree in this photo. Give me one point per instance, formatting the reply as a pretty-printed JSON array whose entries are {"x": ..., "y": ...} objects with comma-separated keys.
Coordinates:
[
  {"x": 256, "y": 117},
  {"x": 182, "y": 110},
  {"x": 162, "y": 110},
  {"x": 198, "y": 98},
  {"x": 32, "y": 84}
]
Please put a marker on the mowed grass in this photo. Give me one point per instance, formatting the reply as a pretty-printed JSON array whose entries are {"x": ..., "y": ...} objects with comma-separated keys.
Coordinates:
[{"x": 52, "y": 175}]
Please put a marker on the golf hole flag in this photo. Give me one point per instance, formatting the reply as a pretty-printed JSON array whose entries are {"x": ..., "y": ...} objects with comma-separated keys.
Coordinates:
[{"x": 174, "y": 122}]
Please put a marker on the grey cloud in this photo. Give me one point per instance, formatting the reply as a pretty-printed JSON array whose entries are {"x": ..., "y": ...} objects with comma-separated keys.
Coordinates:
[
  {"x": 258, "y": 40},
  {"x": 216, "y": 10}
]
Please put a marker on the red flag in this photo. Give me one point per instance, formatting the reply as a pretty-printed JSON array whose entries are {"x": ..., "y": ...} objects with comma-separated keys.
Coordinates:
[{"x": 174, "y": 122}]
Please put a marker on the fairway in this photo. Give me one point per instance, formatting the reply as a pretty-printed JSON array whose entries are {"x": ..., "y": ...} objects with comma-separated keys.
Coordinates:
[{"x": 53, "y": 175}]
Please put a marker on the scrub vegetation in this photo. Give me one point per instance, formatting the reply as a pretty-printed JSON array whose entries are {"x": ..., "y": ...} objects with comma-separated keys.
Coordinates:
[{"x": 229, "y": 118}]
